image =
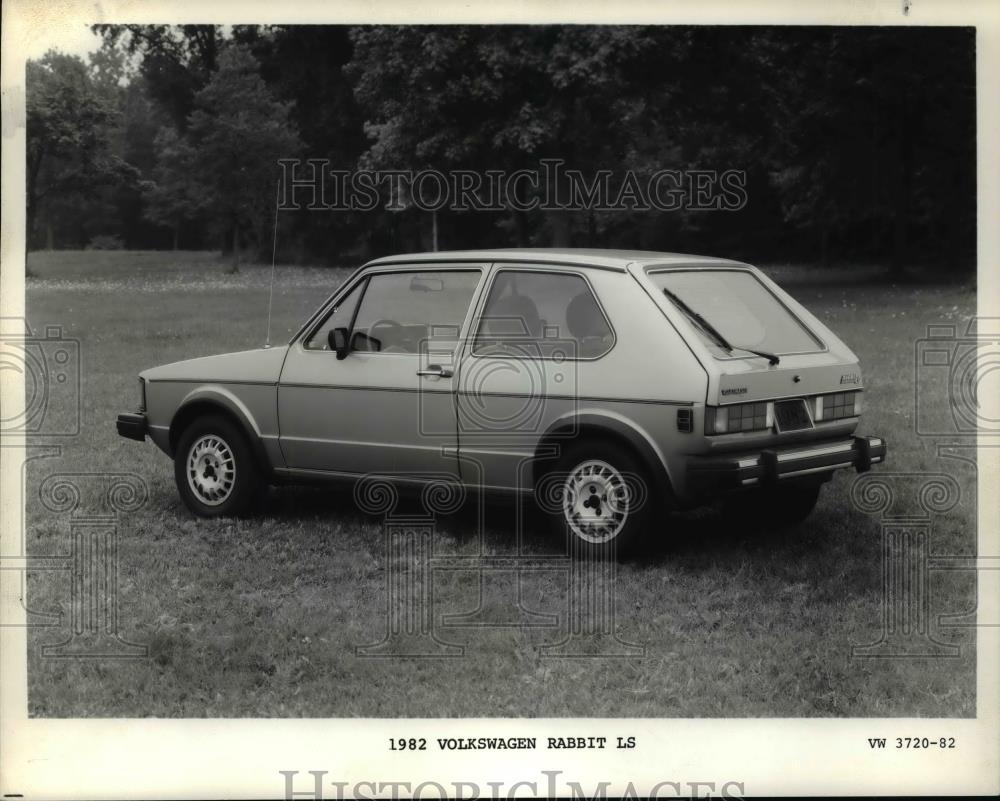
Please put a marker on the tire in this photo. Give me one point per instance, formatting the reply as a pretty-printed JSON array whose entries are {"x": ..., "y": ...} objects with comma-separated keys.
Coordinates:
[
  {"x": 596, "y": 496},
  {"x": 778, "y": 508},
  {"x": 215, "y": 469}
]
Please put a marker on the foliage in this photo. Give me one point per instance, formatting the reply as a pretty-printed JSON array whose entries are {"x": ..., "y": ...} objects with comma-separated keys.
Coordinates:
[
  {"x": 305, "y": 64},
  {"x": 855, "y": 143},
  {"x": 175, "y": 60},
  {"x": 106, "y": 242},
  {"x": 236, "y": 134},
  {"x": 70, "y": 124},
  {"x": 172, "y": 197},
  {"x": 878, "y": 134},
  {"x": 488, "y": 97}
]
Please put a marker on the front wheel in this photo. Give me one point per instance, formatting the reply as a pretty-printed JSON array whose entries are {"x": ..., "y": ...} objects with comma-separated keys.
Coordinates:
[
  {"x": 597, "y": 498},
  {"x": 215, "y": 470}
]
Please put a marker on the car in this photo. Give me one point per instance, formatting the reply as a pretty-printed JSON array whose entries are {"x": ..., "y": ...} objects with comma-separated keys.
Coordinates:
[{"x": 609, "y": 385}]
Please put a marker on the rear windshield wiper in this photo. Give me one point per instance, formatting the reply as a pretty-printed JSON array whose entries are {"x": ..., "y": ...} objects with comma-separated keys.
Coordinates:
[{"x": 713, "y": 332}]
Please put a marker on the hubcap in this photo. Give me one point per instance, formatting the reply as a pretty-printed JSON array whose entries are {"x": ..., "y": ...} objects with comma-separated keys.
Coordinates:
[
  {"x": 211, "y": 470},
  {"x": 595, "y": 501}
]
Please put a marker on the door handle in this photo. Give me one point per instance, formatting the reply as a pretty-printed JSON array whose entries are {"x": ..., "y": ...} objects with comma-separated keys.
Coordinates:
[{"x": 437, "y": 370}]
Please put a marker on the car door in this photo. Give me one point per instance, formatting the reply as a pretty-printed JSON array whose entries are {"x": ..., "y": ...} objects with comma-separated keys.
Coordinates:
[
  {"x": 537, "y": 326},
  {"x": 387, "y": 407}
]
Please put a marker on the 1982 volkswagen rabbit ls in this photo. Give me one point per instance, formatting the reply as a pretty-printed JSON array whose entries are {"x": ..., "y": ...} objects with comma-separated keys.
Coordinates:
[{"x": 604, "y": 382}]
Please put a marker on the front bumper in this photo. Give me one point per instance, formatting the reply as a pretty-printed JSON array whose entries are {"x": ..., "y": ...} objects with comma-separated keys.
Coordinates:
[
  {"x": 771, "y": 465},
  {"x": 132, "y": 426}
]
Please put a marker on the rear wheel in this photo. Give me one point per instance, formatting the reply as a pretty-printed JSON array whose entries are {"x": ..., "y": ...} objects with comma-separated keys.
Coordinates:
[
  {"x": 778, "y": 507},
  {"x": 215, "y": 469},
  {"x": 596, "y": 497}
]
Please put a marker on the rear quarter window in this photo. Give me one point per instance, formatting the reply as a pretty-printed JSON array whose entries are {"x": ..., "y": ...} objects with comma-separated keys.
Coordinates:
[{"x": 543, "y": 315}]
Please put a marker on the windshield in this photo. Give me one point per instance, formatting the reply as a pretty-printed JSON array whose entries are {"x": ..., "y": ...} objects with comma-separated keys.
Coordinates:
[{"x": 740, "y": 308}]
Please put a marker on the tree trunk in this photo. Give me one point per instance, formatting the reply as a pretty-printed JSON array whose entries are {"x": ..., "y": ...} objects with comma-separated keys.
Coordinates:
[
  {"x": 31, "y": 191},
  {"x": 561, "y": 224},
  {"x": 234, "y": 266},
  {"x": 30, "y": 224},
  {"x": 904, "y": 185},
  {"x": 50, "y": 239},
  {"x": 177, "y": 235},
  {"x": 521, "y": 228}
]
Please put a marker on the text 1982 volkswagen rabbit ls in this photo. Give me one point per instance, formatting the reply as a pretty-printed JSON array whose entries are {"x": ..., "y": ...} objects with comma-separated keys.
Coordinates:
[{"x": 602, "y": 381}]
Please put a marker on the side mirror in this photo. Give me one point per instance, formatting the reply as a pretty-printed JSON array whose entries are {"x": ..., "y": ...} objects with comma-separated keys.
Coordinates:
[{"x": 337, "y": 339}]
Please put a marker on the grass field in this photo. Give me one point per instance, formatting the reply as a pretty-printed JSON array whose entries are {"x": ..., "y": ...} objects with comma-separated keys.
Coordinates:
[{"x": 261, "y": 617}]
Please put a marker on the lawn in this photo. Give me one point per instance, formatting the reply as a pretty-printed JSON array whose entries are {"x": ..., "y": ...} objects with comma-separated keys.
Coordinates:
[{"x": 262, "y": 617}]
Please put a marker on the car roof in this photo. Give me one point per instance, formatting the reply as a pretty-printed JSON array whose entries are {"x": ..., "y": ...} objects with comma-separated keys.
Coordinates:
[{"x": 581, "y": 257}]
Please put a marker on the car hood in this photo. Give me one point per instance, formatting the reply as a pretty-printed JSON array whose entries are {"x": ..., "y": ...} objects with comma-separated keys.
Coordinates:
[{"x": 262, "y": 365}]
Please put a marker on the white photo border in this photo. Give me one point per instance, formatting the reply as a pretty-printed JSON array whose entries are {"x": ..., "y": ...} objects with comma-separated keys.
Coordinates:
[{"x": 243, "y": 758}]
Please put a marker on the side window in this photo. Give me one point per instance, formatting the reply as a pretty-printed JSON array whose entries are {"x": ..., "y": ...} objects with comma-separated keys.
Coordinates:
[
  {"x": 540, "y": 314},
  {"x": 399, "y": 311},
  {"x": 340, "y": 317}
]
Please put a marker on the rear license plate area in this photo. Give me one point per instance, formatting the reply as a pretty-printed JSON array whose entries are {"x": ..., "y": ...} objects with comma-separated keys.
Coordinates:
[{"x": 792, "y": 415}]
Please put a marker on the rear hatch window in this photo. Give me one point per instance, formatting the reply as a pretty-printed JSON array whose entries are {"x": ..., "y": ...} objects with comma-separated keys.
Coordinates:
[{"x": 737, "y": 305}]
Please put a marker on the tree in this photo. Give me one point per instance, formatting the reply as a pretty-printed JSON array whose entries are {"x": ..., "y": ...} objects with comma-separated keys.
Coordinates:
[
  {"x": 506, "y": 97},
  {"x": 237, "y": 133},
  {"x": 176, "y": 60},
  {"x": 875, "y": 141},
  {"x": 69, "y": 138},
  {"x": 172, "y": 198},
  {"x": 304, "y": 64},
  {"x": 855, "y": 143}
]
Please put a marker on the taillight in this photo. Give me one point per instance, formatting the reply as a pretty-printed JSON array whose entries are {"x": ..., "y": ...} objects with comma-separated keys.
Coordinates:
[
  {"x": 736, "y": 418},
  {"x": 837, "y": 406}
]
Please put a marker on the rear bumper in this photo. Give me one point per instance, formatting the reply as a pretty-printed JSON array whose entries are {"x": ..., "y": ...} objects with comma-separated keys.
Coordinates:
[
  {"x": 132, "y": 426},
  {"x": 771, "y": 465}
]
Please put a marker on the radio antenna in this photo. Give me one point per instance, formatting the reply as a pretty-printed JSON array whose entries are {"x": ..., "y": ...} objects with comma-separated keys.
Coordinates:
[{"x": 274, "y": 254}]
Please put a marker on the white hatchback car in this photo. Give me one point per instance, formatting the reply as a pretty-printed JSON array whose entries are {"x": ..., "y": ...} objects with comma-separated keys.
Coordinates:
[{"x": 605, "y": 383}]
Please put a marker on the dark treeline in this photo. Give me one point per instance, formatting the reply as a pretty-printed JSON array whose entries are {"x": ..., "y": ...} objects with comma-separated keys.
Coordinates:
[{"x": 857, "y": 143}]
